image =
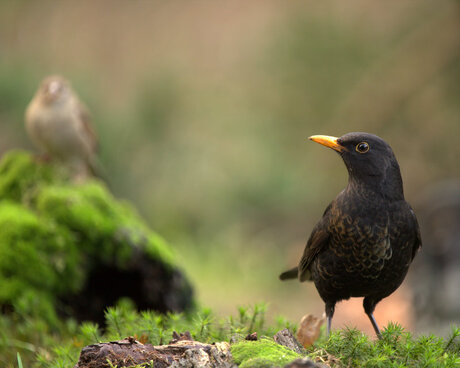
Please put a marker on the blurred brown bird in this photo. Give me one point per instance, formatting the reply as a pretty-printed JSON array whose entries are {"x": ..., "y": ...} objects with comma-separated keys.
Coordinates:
[
  {"x": 59, "y": 125},
  {"x": 368, "y": 235}
]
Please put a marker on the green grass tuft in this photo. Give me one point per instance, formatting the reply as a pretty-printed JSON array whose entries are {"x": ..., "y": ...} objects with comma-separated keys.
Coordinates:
[
  {"x": 346, "y": 348},
  {"x": 396, "y": 349}
]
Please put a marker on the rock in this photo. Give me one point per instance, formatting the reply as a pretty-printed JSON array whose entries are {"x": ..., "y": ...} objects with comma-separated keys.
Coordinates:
[
  {"x": 182, "y": 354},
  {"x": 305, "y": 363},
  {"x": 235, "y": 338},
  {"x": 180, "y": 336},
  {"x": 285, "y": 338},
  {"x": 205, "y": 356},
  {"x": 251, "y": 337},
  {"x": 72, "y": 250}
]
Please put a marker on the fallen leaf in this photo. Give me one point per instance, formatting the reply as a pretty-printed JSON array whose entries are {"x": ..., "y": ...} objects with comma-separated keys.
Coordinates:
[{"x": 309, "y": 329}]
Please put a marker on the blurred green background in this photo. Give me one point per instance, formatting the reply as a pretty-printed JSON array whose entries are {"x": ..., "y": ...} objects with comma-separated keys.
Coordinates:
[{"x": 203, "y": 109}]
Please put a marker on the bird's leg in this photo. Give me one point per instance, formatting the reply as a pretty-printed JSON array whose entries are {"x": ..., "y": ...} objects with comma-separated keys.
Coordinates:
[
  {"x": 369, "y": 306},
  {"x": 330, "y": 308},
  {"x": 374, "y": 324}
]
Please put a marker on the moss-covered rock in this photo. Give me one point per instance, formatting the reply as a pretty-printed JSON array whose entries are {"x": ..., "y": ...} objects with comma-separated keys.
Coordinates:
[
  {"x": 74, "y": 249},
  {"x": 262, "y": 353}
]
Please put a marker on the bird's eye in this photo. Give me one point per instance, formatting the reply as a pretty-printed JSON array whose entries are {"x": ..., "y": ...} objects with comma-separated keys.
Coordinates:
[{"x": 362, "y": 147}]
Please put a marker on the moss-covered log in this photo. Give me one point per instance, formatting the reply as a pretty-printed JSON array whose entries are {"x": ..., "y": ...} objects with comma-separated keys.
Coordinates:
[{"x": 73, "y": 250}]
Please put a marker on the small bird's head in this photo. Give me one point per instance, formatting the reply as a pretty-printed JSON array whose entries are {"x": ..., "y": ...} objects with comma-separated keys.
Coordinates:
[
  {"x": 369, "y": 159},
  {"x": 54, "y": 89}
]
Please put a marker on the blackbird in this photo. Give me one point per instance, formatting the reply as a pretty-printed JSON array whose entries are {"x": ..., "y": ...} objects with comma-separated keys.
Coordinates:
[{"x": 368, "y": 235}]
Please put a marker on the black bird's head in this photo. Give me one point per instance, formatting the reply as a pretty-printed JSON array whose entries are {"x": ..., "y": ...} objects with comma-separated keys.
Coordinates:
[{"x": 370, "y": 162}]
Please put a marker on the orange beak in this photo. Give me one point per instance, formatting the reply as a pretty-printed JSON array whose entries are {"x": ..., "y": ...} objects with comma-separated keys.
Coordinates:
[{"x": 328, "y": 141}]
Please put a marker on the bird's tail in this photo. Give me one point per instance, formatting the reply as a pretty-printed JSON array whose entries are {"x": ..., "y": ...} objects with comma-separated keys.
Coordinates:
[{"x": 290, "y": 274}]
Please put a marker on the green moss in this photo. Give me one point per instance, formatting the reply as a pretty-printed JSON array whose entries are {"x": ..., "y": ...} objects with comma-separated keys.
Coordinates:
[
  {"x": 53, "y": 232},
  {"x": 262, "y": 353},
  {"x": 38, "y": 261},
  {"x": 90, "y": 211},
  {"x": 20, "y": 174}
]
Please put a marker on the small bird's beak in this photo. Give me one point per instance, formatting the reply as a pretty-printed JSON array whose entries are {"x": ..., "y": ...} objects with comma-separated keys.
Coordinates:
[{"x": 328, "y": 141}]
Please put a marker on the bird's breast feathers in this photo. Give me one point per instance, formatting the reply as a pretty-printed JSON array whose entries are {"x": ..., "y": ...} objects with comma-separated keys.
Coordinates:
[
  {"x": 362, "y": 243},
  {"x": 58, "y": 129}
]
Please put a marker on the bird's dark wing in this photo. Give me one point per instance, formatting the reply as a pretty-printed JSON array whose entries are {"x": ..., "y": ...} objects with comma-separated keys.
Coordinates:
[
  {"x": 418, "y": 239},
  {"x": 318, "y": 240}
]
